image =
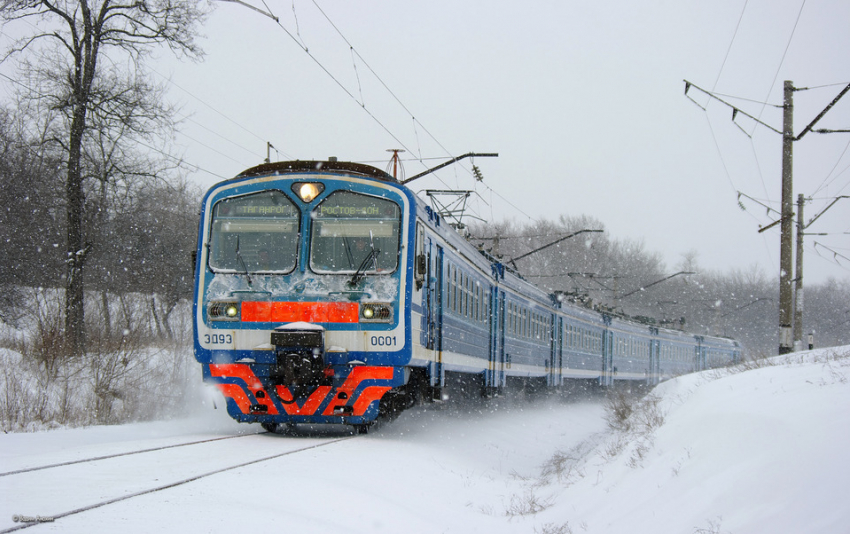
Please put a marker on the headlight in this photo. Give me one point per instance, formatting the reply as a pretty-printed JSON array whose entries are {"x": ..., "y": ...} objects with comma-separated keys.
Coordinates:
[
  {"x": 307, "y": 191},
  {"x": 376, "y": 312},
  {"x": 223, "y": 311}
]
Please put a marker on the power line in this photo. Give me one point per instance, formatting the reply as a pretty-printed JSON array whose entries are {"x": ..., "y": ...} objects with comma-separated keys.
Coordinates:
[
  {"x": 825, "y": 183},
  {"x": 753, "y": 100},
  {"x": 395, "y": 97},
  {"x": 332, "y": 77},
  {"x": 213, "y": 109},
  {"x": 179, "y": 161},
  {"x": 404, "y": 107},
  {"x": 360, "y": 102},
  {"x": 217, "y": 134},
  {"x": 730, "y": 45},
  {"x": 782, "y": 60},
  {"x": 385, "y": 86}
]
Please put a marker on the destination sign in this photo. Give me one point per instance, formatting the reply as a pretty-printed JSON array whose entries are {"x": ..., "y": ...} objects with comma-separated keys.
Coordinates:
[
  {"x": 343, "y": 204},
  {"x": 267, "y": 204},
  {"x": 349, "y": 211}
]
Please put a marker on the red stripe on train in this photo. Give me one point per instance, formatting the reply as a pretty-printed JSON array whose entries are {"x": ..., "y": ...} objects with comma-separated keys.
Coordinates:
[
  {"x": 290, "y": 312},
  {"x": 244, "y": 372},
  {"x": 236, "y": 393},
  {"x": 369, "y": 394},
  {"x": 315, "y": 400}
]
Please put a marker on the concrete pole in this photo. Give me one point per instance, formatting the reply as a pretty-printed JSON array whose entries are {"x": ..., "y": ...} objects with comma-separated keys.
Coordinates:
[
  {"x": 786, "y": 225},
  {"x": 798, "y": 281}
]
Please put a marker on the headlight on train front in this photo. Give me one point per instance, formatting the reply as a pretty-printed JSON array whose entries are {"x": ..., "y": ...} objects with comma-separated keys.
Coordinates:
[
  {"x": 376, "y": 312},
  {"x": 307, "y": 191},
  {"x": 223, "y": 311}
]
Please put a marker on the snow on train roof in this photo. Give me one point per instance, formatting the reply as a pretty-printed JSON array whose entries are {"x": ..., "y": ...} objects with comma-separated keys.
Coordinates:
[{"x": 331, "y": 165}]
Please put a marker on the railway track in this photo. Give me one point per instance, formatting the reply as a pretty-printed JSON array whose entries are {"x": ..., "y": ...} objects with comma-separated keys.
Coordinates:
[
  {"x": 117, "y": 455},
  {"x": 29, "y": 485}
]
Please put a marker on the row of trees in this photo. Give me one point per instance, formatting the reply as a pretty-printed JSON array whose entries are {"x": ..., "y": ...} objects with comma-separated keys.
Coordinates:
[
  {"x": 139, "y": 234},
  {"x": 623, "y": 276},
  {"x": 84, "y": 108}
]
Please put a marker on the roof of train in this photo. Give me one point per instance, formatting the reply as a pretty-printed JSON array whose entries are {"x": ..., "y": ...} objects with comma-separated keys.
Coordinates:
[{"x": 331, "y": 165}]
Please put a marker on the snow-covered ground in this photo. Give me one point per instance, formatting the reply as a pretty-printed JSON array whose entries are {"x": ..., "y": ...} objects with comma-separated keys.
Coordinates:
[{"x": 761, "y": 450}]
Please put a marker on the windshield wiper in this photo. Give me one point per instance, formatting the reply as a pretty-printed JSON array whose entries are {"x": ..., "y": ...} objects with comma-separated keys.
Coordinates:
[
  {"x": 242, "y": 261},
  {"x": 371, "y": 256},
  {"x": 348, "y": 254}
]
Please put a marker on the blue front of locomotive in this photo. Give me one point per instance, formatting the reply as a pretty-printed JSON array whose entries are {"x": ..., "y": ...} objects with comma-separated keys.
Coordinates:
[{"x": 301, "y": 301}]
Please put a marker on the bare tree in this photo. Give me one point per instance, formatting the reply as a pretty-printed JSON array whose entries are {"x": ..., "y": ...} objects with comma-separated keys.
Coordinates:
[{"x": 90, "y": 92}]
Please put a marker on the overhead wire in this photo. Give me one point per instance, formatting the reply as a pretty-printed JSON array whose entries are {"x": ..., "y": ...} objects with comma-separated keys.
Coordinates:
[
  {"x": 336, "y": 80},
  {"x": 217, "y": 134},
  {"x": 732, "y": 183},
  {"x": 169, "y": 81},
  {"x": 397, "y": 99},
  {"x": 758, "y": 168},
  {"x": 782, "y": 60},
  {"x": 182, "y": 162},
  {"x": 380, "y": 80},
  {"x": 167, "y": 155},
  {"x": 360, "y": 102},
  {"x": 731, "y": 42},
  {"x": 391, "y": 93},
  {"x": 826, "y": 181},
  {"x": 708, "y": 119}
]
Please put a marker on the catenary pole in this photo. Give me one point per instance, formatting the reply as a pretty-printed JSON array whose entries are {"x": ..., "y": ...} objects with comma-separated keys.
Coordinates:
[
  {"x": 798, "y": 286},
  {"x": 786, "y": 224},
  {"x": 798, "y": 279}
]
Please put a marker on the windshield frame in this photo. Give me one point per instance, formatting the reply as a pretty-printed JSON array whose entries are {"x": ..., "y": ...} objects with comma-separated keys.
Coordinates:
[
  {"x": 361, "y": 237},
  {"x": 247, "y": 256}
]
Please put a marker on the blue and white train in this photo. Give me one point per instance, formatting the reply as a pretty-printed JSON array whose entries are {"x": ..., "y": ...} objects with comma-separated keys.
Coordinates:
[{"x": 327, "y": 292}]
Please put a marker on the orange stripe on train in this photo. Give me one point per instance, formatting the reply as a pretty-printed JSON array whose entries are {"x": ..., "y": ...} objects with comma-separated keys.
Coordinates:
[
  {"x": 369, "y": 394},
  {"x": 310, "y": 405},
  {"x": 236, "y": 393},
  {"x": 352, "y": 381},
  {"x": 236, "y": 370},
  {"x": 310, "y": 312},
  {"x": 244, "y": 372}
]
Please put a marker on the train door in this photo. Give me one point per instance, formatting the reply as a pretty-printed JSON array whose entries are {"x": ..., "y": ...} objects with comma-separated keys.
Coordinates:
[
  {"x": 502, "y": 358},
  {"x": 607, "y": 378},
  {"x": 559, "y": 326},
  {"x": 554, "y": 351},
  {"x": 490, "y": 376},
  {"x": 434, "y": 310},
  {"x": 438, "y": 376},
  {"x": 654, "y": 349},
  {"x": 699, "y": 364},
  {"x": 495, "y": 375},
  {"x": 654, "y": 361}
]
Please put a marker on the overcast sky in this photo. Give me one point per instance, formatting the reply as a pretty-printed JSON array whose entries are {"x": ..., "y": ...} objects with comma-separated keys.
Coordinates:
[{"x": 583, "y": 101}]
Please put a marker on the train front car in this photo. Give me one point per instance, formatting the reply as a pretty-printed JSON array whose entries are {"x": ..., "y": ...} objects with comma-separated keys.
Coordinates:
[{"x": 300, "y": 300}]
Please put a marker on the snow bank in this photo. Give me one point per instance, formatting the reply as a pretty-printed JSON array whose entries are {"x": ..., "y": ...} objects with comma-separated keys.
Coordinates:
[{"x": 741, "y": 451}]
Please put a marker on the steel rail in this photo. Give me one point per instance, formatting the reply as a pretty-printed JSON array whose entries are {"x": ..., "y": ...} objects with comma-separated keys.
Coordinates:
[{"x": 52, "y": 518}]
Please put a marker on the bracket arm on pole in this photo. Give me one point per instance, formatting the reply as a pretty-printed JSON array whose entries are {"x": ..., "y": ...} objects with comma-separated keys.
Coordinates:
[{"x": 446, "y": 164}]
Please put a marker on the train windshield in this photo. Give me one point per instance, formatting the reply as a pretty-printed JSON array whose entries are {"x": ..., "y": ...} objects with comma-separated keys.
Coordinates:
[
  {"x": 354, "y": 233},
  {"x": 255, "y": 233}
]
